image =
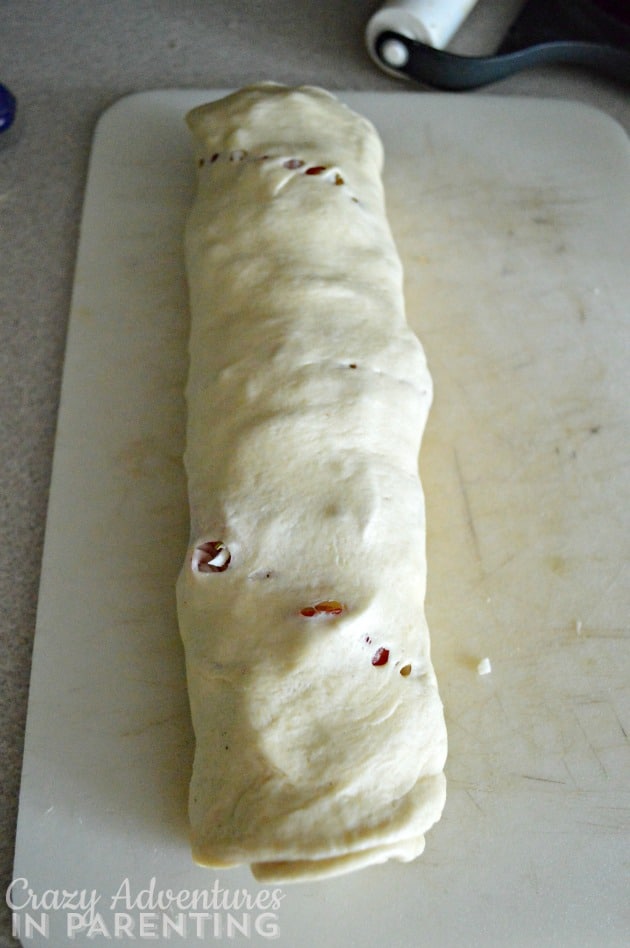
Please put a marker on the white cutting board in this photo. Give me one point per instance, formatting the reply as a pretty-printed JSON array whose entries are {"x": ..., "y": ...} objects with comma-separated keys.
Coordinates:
[{"x": 512, "y": 219}]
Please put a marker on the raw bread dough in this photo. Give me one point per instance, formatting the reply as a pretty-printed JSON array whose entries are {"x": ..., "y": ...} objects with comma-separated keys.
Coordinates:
[{"x": 320, "y": 737}]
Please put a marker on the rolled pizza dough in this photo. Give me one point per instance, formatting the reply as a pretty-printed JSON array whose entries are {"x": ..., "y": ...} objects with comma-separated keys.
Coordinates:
[{"x": 320, "y": 736}]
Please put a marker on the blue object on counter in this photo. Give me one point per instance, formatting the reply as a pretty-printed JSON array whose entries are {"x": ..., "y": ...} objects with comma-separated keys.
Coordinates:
[{"x": 7, "y": 108}]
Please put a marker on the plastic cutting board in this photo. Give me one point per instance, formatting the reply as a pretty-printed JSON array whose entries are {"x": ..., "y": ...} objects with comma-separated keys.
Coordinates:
[{"x": 512, "y": 219}]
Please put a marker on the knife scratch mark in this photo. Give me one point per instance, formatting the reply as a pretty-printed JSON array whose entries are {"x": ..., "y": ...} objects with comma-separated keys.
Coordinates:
[
  {"x": 146, "y": 726},
  {"x": 621, "y": 727},
  {"x": 570, "y": 778},
  {"x": 596, "y": 825},
  {"x": 603, "y": 594},
  {"x": 474, "y": 802},
  {"x": 562, "y": 783},
  {"x": 467, "y": 507},
  {"x": 590, "y": 744}
]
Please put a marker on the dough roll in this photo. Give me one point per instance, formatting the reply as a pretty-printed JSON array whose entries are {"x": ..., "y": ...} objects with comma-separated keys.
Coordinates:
[{"x": 319, "y": 731}]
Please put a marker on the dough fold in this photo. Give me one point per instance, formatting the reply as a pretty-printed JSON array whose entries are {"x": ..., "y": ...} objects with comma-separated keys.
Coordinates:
[{"x": 320, "y": 736}]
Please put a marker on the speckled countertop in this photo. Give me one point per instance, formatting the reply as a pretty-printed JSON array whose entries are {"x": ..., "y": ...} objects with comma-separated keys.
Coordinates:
[{"x": 66, "y": 62}]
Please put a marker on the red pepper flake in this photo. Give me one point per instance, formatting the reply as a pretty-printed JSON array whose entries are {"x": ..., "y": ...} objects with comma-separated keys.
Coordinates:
[
  {"x": 293, "y": 163},
  {"x": 212, "y": 557},
  {"x": 328, "y": 607},
  {"x": 381, "y": 656},
  {"x": 316, "y": 169}
]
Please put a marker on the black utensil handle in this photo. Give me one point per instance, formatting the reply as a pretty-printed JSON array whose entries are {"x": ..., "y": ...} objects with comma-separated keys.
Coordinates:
[
  {"x": 602, "y": 22},
  {"x": 453, "y": 72}
]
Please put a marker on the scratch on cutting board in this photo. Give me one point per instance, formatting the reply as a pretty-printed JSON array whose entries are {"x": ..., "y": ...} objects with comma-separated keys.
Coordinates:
[
  {"x": 469, "y": 517},
  {"x": 562, "y": 783},
  {"x": 621, "y": 727},
  {"x": 595, "y": 824},
  {"x": 590, "y": 744},
  {"x": 145, "y": 457},
  {"x": 474, "y": 802},
  {"x": 149, "y": 725},
  {"x": 618, "y": 817},
  {"x": 605, "y": 591}
]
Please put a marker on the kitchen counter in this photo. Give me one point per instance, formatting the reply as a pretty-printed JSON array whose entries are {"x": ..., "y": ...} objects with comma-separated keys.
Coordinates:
[{"x": 67, "y": 62}]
